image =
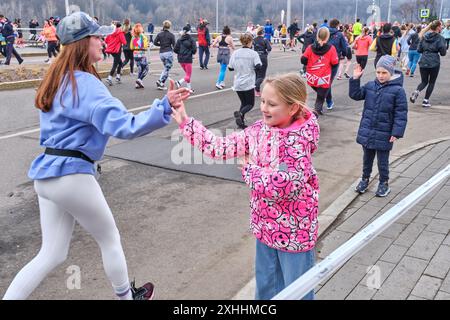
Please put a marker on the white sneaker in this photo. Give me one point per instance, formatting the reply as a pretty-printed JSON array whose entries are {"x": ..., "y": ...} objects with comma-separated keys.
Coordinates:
[
  {"x": 118, "y": 80},
  {"x": 218, "y": 86},
  {"x": 178, "y": 84},
  {"x": 139, "y": 83}
]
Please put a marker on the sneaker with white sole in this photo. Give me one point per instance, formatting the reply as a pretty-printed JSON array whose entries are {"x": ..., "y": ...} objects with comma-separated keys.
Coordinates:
[
  {"x": 426, "y": 103},
  {"x": 218, "y": 86},
  {"x": 330, "y": 105},
  {"x": 383, "y": 189},
  {"x": 178, "y": 84},
  {"x": 109, "y": 81},
  {"x": 362, "y": 186},
  {"x": 414, "y": 96},
  {"x": 140, "y": 83},
  {"x": 146, "y": 292},
  {"x": 118, "y": 80}
]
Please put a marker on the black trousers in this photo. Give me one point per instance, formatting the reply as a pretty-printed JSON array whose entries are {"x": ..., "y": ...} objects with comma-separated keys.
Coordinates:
[
  {"x": 128, "y": 58},
  {"x": 382, "y": 161},
  {"x": 320, "y": 99},
  {"x": 51, "y": 49},
  {"x": 117, "y": 64},
  {"x": 247, "y": 100},
  {"x": 429, "y": 76},
  {"x": 362, "y": 61},
  {"x": 261, "y": 72}
]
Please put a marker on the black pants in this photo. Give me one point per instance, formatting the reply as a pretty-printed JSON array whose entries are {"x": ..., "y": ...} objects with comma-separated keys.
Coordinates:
[
  {"x": 117, "y": 63},
  {"x": 247, "y": 101},
  {"x": 382, "y": 161},
  {"x": 320, "y": 99},
  {"x": 429, "y": 76},
  {"x": 334, "y": 71},
  {"x": 128, "y": 58},
  {"x": 51, "y": 49},
  {"x": 362, "y": 61},
  {"x": 447, "y": 41},
  {"x": 10, "y": 51},
  {"x": 261, "y": 72}
]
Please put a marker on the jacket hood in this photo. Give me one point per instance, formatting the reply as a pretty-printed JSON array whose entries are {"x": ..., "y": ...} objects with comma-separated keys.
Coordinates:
[
  {"x": 333, "y": 31},
  {"x": 431, "y": 36},
  {"x": 320, "y": 50},
  {"x": 386, "y": 36}
]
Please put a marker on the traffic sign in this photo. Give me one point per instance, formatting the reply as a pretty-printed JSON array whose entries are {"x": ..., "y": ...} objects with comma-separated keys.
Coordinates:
[{"x": 424, "y": 13}]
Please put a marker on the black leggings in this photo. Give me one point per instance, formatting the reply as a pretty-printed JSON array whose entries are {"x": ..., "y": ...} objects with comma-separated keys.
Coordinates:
[
  {"x": 429, "y": 76},
  {"x": 362, "y": 61},
  {"x": 247, "y": 101},
  {"x": 51, "y": 49},
  {"x": 320, "y": 99},
  {"x": 117, "y": 63},
  {"x": 261, "y": 72},
  {"x": 128, "y": 57}
]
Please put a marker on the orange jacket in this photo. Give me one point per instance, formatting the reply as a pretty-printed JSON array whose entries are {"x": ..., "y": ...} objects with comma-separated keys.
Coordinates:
[{"x": 49, "y": 33}]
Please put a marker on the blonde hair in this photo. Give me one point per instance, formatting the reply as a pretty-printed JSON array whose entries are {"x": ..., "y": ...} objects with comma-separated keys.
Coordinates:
[
  {"x": 291, "y": 89},
  {"x": 246, "y": 39},
  {"x": 167, "y": 24},
  {"x": 323, "y": 34},
  {"x": 138, "y": 29}
]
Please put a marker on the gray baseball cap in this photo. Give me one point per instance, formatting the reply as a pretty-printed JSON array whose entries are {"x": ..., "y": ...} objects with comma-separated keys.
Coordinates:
[{"x": 80, "y": 25}]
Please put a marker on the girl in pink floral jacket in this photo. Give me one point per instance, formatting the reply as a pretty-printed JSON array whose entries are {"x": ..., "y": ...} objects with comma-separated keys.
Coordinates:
[{"x": 277, "y": 153}]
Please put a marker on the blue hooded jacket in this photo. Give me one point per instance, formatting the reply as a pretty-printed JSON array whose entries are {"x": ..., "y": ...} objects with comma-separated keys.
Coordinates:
[
  {"x": 384, "y": 114},
  {"x": 337, "y": 39}
]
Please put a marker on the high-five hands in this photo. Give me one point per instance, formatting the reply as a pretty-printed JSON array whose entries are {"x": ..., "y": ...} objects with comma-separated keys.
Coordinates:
[{"x": 178, "y": 96}]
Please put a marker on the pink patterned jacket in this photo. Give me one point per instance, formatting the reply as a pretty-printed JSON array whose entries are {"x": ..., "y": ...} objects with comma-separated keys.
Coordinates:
[{"x": 284, "y": 185}]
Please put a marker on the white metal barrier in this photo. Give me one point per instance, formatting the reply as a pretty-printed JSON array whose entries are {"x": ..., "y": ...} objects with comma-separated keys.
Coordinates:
[{"x": 308, "y": 281}]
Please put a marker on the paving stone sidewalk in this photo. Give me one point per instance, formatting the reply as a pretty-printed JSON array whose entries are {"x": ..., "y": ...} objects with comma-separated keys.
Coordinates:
[{"x": 411, "y": 259}]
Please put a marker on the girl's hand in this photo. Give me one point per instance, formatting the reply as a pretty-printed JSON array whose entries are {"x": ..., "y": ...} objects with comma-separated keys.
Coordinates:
[
  {"x": 179, "y": 114},
  {"x": 357, "y": 71},
  {"x": 392, "y": 139},
  {"x": 177, "y": 97}
]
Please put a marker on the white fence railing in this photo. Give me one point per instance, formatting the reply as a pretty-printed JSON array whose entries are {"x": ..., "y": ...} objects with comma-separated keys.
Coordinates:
[{"x": 308, "y": 281}]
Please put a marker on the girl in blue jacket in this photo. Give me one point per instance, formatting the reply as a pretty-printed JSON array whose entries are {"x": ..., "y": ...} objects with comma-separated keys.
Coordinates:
[
  {"x": 77, "y": 117},
  {"x": 383, "y": 120}
]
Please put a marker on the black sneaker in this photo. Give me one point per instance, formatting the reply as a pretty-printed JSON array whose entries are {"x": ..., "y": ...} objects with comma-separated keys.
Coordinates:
[
  {"x": 146, "y": 292},
  {"x": 346, "y": 75},
  {"x": 426, "y": 103},
  {"x": 383, "y": 189},
  {"x": 239, "y": 120},
  {"x": 414, "y": 96},
  {"x": 362, "y": 186}
]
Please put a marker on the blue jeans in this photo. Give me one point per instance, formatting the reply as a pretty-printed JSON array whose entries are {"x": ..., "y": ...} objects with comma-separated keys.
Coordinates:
[
  {"x": 167, "y": 60},
  {"x": 223, "y": 70},
  {"x": 413, "y": 57},
  {"x": 382, "y": 160},
  {"x": 276, "y": 269},
  {"x": 334, "y": 71},
  {"x": 203, "y": 50}
]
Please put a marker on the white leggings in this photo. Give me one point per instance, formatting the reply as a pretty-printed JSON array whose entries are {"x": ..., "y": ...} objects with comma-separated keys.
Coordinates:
[{"x": 62, "y": 201}]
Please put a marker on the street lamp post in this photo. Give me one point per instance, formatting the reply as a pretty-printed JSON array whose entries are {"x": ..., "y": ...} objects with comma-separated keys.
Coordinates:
[
  {"x": 356, "y": 10},
  {"x": 440, "y": 11},
  {"x": 288, "y": 13},
  {"x": 217, "y": 16},
  {"x": 67, "y": 8},
  {"x": 389, "y": 11},
  {"x": 303, "y": 16}
]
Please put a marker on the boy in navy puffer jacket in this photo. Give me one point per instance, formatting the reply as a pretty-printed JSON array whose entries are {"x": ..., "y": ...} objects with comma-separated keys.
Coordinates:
[{"x": 383, "y": 120}]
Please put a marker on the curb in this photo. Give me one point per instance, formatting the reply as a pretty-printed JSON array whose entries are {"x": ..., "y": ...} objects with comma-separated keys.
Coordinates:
[
  {"x": 33, "y": 83},
  {"x": 333, "y": 211}
]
